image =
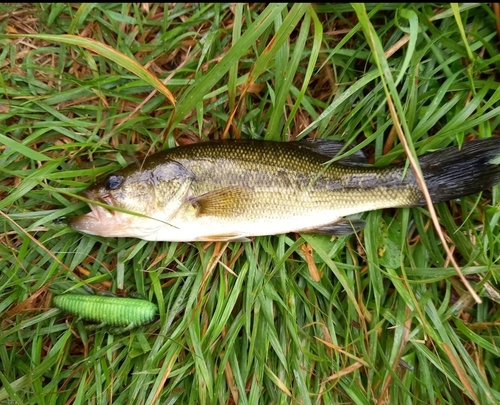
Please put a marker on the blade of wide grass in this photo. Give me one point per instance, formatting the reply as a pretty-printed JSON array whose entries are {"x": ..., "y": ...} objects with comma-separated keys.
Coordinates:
[
  {"x": 22, "y": 149},
  {"x": 458, "y": 19},
  {"x": 233, "y": 71}
]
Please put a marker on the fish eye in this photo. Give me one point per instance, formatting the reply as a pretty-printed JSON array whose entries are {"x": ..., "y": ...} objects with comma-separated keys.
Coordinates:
[{"x": 114, "y": 181}]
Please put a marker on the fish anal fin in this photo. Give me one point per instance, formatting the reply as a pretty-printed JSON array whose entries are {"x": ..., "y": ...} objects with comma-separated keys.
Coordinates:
[
  {"x": 339, "y": 228},
  {"x": 223, "y": 202}
]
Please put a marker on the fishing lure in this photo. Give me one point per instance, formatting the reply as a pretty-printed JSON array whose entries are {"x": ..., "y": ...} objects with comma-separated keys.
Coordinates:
[{"x": 118, "y": 312}]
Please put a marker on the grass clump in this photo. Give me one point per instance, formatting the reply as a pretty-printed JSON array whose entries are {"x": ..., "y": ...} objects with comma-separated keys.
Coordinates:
[{"x": 379, "y": 317}]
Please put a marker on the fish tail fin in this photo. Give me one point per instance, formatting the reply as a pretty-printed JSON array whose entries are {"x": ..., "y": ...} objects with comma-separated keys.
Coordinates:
[{"x": 456, "y": 172}]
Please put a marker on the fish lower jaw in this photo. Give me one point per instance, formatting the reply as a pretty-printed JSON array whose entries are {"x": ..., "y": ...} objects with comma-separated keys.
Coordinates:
[{"x": 100, "y": 222}]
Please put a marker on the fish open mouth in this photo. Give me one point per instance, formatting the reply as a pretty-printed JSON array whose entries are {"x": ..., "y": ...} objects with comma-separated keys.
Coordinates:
[
  {"x": 103, "y": 220},
  {"x": 92, "y": 222},
  {"x": 100, "y": 220}
]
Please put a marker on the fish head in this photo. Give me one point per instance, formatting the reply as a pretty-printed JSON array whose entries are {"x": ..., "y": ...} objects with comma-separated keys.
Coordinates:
[{"x": 134, "y": 202}]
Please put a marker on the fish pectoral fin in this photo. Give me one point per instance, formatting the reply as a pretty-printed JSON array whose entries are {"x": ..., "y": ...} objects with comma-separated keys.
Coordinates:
[
  {"x": 340, "y": 228},
  {"x": 226, "y": 237},
  {"x": 220, "y": 202}
]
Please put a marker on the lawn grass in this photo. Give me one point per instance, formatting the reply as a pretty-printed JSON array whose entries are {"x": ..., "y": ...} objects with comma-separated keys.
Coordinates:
[{"x": 377, "y": 317}]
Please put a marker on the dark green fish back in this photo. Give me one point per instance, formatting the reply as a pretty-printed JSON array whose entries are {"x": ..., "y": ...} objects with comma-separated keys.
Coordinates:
[
  {"x": 114, "y": 311},
  {"x": 267, "y": 176},
  {"x": 292, "y": 167}
]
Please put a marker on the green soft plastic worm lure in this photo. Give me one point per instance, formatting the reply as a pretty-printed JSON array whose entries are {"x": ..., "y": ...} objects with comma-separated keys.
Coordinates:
[{"x": 114, "y": 311}]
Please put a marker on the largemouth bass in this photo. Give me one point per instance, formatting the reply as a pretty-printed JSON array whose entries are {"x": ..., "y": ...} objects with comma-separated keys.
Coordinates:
[{"x": 232, "y": 190}]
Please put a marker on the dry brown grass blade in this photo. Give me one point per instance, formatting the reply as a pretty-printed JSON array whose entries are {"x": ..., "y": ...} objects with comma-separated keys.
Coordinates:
[
  {"x": 393, "y": 49},
  {"x": 461, "y": 373},
  {"x": 229, "y": 122},
  {"x": 348, "y": 370},
  {"x": 345, "y": 352},
  {"x": 164, "y": 378},
  {"x": 496, "y": 10},
  {"x": 230, "y": 382},
  {"x": 311, "y": 265}
]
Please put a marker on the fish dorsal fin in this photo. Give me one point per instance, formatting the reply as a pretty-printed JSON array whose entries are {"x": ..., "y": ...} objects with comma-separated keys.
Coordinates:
[
  {"x": 221, "y": 202},
  {"x": 331, "y": 149},
  {"x": 340, "y": 228}
]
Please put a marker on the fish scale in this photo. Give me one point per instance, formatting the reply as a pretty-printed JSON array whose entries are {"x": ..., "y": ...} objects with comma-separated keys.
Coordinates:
[
  {"x": 280, "y": 177},
  {"x": 232, "y": 190}
]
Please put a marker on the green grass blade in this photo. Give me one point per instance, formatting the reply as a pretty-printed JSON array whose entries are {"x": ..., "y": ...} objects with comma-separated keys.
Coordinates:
[{"x": 22, "y": 149}]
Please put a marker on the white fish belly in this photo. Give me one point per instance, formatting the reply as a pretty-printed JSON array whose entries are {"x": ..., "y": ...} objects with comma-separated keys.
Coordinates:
[{"x": 212, "y": 228}]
